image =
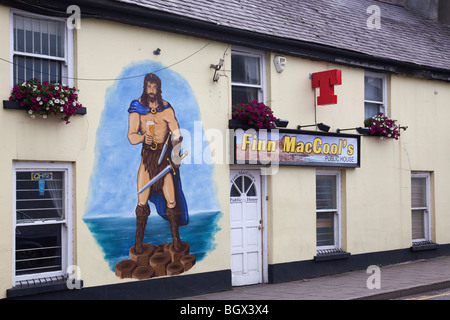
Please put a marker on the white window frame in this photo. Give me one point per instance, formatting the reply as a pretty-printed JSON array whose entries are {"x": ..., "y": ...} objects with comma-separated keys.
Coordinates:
[
  {"x": 262, "y": 95},
  {"x": 67, "y": 72},
  {"x": 66, "y": 223},
  {"x": 337, "y": 212},
  {"x": 427, "y": 209},
  {"x": 383, "y": 77}
]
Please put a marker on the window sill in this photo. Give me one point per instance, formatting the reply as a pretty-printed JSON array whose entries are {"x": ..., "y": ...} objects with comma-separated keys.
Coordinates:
[
  {"x": 16, "y": 106},
  {"x": 31, "y": 289},
  {"x": 338, "y": 255},
  {"x": 424, "y": 246}
]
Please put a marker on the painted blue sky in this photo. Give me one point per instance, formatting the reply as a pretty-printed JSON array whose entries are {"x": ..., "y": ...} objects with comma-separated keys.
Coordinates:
[{"x": 112, "y": 188}]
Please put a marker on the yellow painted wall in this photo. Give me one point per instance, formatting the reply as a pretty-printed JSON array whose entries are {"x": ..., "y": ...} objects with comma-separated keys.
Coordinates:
[
  {"x": 376, "y": 198},
  {"x": 102, "y": 50},
  {"x": 6, "y": 230}
]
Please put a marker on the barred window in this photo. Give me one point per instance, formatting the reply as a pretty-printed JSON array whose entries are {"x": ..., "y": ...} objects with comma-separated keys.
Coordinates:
[
  {"x": 42, "y": 220},
  {"x": 40, "y": 48}
]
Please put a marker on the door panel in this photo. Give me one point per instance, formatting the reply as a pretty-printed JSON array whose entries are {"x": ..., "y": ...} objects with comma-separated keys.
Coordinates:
[{"x": 246, "y": 230}]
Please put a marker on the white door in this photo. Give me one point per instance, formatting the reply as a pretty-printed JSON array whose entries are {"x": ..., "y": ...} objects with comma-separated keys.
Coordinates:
[{"x": 246, "y": 227}]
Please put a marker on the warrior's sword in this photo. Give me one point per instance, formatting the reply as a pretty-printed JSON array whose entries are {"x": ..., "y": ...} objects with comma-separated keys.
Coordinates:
[
  {"x": 161, "y": 174},
  {"x": 164, "y": 149}
]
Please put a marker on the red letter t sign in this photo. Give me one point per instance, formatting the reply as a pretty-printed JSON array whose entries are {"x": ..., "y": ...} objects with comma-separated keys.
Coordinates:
[{"x": 326, "y": 81}]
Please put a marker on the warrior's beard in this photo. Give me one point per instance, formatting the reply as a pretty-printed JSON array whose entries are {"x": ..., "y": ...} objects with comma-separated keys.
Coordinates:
[{"x": 151, "y": 97}]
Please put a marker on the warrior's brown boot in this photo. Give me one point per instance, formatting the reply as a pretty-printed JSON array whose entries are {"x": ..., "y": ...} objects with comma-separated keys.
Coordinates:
[
  {"x": 142, "y": 213},
  {"x": 174, "y": 218}
]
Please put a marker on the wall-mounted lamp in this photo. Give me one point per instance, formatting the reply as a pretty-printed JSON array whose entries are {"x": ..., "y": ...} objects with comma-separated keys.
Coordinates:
[
  {"x": 360, "y": 130},
  {"x": 216, "y": 68},
  {"x": 321, "y": 126},
  {"x": 157, "y": 52},
  {"x": 281, "y": 123},
  {"x": 404, "y": 128}
]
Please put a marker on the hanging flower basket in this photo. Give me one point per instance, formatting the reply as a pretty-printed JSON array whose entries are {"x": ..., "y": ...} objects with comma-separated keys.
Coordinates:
[
  {"x": 43, "y": 99},
  {"x": 253, "y": 114},
  {"x": 382, "y": 126}
]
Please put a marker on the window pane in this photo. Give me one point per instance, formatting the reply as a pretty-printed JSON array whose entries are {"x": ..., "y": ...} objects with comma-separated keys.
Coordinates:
[
  {"x": 249, "y": 187},
  {"x": 326, "y": 192},
  {"x": 244, "y": 95},
  {"x": 418, "y": 192},
  {"x": 39, "y": 195},
  {"x": 325, "y": 229},
  {"x": 234, "y": 191},
  {"x": 38, "y": 249},
  {"x": 418, "y": 224},
  {"x": 373, "y": 89},
  {"x": 26, "y": 68},
  {"x": 245, "y": 69},
  {"x": 371, "y": 109},
  {"x": 39, "y": 36}
]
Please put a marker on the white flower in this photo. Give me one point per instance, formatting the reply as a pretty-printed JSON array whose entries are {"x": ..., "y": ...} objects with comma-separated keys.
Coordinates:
[
  {"x": 44, "y": 116},
  {"x": 30, "y": 111},
  {"x": 41, "y": 103},
  {"x": 56, "y": 100},
  {"x": 51, "y": 102},
  {"x": 38, "y": 99},
  {"x": 61, "y": 109},
  {"x": 56, "y": 88},
  {"x": 33, "y": 116}
]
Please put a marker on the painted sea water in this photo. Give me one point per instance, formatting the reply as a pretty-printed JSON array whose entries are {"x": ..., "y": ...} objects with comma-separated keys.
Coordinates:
[{"x": 115, "y": 235}]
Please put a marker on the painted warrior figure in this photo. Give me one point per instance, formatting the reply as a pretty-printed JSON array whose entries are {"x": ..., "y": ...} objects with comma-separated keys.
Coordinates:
[{"x": 153, "y": 123}]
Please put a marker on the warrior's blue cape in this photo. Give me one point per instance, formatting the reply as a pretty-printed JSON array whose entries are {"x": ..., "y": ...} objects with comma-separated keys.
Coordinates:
[{"x": 158, "y": 198}]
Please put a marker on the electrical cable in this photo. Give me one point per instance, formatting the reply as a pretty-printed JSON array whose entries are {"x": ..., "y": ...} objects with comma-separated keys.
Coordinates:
[{"x": 118, "y": 79}]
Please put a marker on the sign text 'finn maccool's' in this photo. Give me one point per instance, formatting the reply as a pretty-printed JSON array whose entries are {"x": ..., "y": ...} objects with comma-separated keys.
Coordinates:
[{"x": 290, "y": 147}]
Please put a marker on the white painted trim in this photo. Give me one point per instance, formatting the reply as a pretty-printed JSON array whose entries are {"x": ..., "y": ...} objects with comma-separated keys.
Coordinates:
[
  {"x": 338, "y": 215},
  {"x": 383, "y": 77},
  {"x": 262, "y": 95},
  {"x": 427, "y": 216},
  {"x": 265, "y": 247}
]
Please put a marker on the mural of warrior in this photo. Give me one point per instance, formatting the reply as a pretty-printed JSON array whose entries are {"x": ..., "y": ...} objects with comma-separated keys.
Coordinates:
[{"x": 152, "y": 123}]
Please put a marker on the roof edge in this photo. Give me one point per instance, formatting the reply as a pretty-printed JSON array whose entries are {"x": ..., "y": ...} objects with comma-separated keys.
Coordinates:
[{"x": 144, "y": 17}]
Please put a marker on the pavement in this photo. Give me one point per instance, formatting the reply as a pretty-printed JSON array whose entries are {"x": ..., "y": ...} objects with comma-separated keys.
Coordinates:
[{"x": 388, "y": 282}]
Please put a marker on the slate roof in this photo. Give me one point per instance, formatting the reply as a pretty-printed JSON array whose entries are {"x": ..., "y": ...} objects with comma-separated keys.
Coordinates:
[{"x": 404, "y": 35}]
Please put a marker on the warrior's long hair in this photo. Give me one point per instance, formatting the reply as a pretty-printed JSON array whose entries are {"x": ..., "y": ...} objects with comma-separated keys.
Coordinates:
[{"x": 145, "y": 99}]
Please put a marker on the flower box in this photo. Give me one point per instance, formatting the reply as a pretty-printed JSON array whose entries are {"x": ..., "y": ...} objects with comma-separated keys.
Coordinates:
[
  {"x": 43, "y": 99},
  {"x": 382, "y": 126},
  {"x": 7, "y": 104},
  {"x": 254, "y": 114}
]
